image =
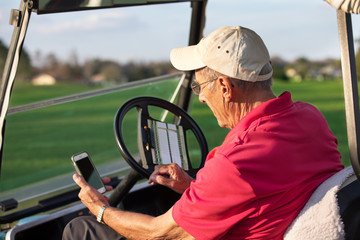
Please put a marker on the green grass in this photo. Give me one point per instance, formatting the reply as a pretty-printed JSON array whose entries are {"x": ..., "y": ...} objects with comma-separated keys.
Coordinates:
[
  {"x": 25, "y": 93},
  {"x": 39, "y": 143},
  {"x": 43, "y": 140}
]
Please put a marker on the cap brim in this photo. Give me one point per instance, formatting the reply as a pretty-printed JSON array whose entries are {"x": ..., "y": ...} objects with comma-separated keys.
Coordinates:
[{"x": 186, "y": 58}]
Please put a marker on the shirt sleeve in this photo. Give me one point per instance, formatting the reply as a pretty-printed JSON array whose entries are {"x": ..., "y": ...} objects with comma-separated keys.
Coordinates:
[{"x": 216, "y": 201}]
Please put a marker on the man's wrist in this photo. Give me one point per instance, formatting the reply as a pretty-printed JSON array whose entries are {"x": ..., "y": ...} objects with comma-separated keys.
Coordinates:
[{"x": 101, "y": 214}]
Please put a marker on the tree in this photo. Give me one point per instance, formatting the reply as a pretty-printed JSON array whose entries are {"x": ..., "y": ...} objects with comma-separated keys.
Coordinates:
[
  {"x": 91, "y": 68},
  {"x": 3, "y": 53},
  {"x": 279, "y": 65},
  {"x": 357, "y": 61},
  {"x": 25, "y": 68},
  {"x": 302, "y": 66},
  {"x": 76, "y": 72},
  {"x": 112, "y": 72},
  {"x": 24, "y": 71}
]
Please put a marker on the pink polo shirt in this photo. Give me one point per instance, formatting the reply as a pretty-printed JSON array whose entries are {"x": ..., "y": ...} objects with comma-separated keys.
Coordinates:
[{"x": 257, "y": 181}]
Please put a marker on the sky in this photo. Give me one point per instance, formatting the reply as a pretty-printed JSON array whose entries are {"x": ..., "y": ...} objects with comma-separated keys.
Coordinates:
[{"x": 289, "y": 28}]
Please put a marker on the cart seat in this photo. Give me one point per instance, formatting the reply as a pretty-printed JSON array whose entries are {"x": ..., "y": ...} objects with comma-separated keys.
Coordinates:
[{"x": 332, "y": 212}]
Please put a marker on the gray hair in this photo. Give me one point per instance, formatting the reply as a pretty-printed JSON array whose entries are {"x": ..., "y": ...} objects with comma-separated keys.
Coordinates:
[{"x": 245, "y": 85}]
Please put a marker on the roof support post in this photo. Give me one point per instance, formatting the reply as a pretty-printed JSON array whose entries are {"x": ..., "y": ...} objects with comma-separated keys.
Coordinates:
[
  {"x": 196, "y": 33},
  {"x": 20, "y": 20},
  {"x": 351, "y": 95}
]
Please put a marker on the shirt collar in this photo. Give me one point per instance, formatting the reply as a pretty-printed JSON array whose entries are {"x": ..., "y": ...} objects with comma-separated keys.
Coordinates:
[{"x": 265, "y": 109}]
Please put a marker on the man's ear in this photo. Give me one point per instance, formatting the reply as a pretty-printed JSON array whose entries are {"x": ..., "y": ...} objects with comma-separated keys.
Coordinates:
[{"x": 227, "y": 88}]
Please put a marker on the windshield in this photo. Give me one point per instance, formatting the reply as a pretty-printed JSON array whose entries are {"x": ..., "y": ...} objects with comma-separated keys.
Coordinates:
[
  {"x": 48, "y": 122},
  {"x": 42, "y": 140}
]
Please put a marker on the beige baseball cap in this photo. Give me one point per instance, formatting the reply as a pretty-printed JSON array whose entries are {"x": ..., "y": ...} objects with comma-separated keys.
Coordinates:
[{"x": 236, "y": 52}]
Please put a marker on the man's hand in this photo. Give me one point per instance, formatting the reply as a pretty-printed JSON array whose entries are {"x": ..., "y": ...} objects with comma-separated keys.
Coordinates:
[
  {"x": 171, "y": 176},
  {"x": 88, "y": 195}
]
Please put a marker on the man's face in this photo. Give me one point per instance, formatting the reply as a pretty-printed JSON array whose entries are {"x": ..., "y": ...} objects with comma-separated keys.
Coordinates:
[{"x": 213, "y": 98}]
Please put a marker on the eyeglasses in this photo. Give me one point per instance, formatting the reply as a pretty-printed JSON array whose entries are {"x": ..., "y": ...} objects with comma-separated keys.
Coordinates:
[{"x": 196, "y": 87}]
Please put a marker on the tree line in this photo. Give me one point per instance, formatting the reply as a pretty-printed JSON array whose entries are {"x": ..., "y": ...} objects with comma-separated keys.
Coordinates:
[
  {"x": 91, "y": 71},
  {"x": 111, "y": 72},
  {"x": 25, "y": 67}
]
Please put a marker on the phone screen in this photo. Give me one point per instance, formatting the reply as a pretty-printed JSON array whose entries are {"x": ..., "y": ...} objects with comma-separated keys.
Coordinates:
[{"x": 89, "y": 173}]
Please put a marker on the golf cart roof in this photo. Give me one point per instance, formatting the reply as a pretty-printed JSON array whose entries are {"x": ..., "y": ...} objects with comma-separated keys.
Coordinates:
[
  {"x": 52, "y": 6},
  {"x": 352, "y": 6}
]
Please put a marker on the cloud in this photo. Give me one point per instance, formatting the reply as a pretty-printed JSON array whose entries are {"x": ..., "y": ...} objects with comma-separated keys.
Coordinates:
[{"x": 89, "y": 22}]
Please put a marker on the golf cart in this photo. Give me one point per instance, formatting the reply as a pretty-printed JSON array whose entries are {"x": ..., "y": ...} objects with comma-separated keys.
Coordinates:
[{"x": 43, "y": 216}]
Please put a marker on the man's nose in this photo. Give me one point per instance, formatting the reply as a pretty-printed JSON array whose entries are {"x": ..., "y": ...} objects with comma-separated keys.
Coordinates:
[{"x": 201, "y": 97}]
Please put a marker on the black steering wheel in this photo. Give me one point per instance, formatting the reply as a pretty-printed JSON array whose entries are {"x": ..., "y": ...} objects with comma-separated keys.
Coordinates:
[{"x": 151, "y": 133}]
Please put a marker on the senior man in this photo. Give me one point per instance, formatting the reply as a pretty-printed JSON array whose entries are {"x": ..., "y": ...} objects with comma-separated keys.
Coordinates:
[{"x": 253, "y": 185}]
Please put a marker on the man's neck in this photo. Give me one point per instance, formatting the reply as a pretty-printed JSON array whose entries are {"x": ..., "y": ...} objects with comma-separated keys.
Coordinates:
[{"x": 243, "y": 106}]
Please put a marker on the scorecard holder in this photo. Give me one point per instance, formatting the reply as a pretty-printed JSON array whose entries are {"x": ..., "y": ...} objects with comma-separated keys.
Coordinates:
[{"x": 162, "y": 143}]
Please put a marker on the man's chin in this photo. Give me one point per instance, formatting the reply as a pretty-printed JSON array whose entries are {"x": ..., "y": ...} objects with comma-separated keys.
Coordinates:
[{"x": 222, "y": 125}]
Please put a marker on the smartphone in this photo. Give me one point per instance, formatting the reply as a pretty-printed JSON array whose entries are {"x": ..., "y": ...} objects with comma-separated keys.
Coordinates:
[{"x": 84, "y": 167}]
